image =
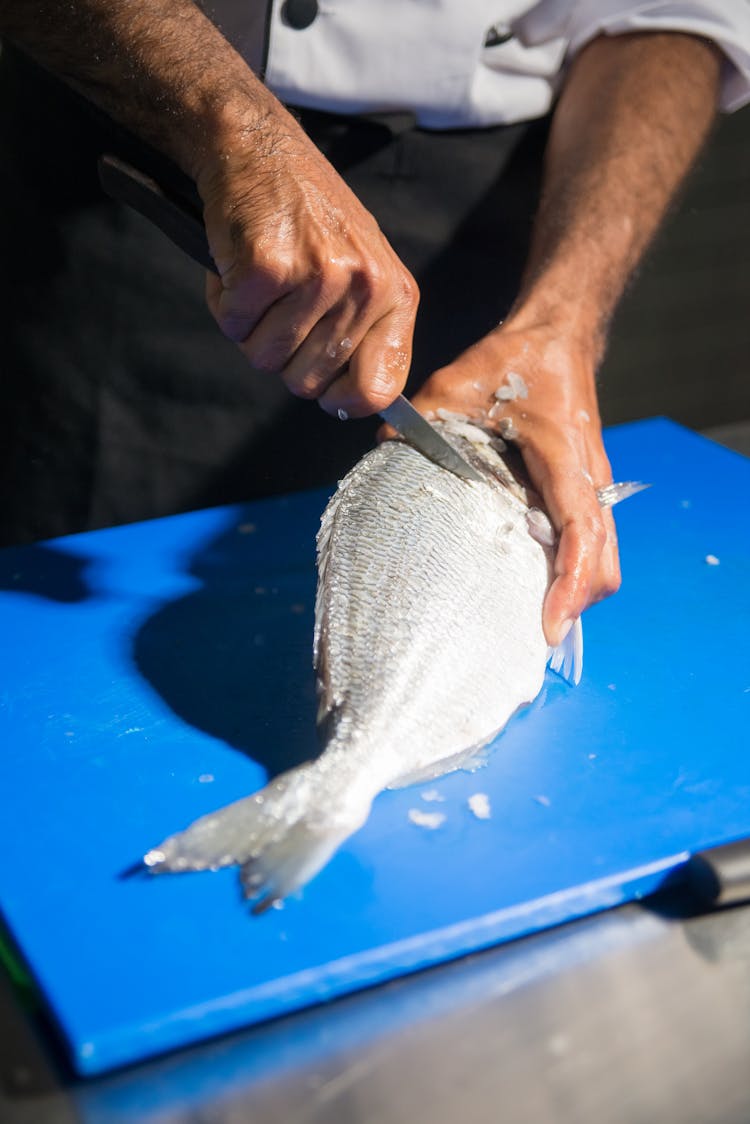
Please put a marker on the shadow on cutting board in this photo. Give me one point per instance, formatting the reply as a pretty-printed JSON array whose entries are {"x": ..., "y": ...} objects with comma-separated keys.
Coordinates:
[
  {"x": 234, "y": 658},
  {"x": 44, "y": 571}
]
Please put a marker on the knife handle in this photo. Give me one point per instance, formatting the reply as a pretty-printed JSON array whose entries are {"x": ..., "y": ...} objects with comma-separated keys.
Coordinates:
[
  {"x": 182, "y": 223},
  {"x": 721, "y": 875}
]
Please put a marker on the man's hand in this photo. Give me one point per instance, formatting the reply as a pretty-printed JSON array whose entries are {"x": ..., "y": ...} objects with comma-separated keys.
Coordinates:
[
  {"x": 632, "y": 115},
  {"x": 308, "y": 286},
  {"x": 557, "y": 428}
]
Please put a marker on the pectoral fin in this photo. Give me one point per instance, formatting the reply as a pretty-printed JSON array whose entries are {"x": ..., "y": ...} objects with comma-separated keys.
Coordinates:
[{"x": 567, "y": 658}]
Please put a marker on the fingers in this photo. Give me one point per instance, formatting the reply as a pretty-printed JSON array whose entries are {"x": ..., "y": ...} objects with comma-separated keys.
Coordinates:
[
  {"x": 239, "y": 302},
  {"x": 307, "y": 279},
  {"x": 608, "y": 578},
  {"x": 558, "y": 432},
  {"x": 610, "y": 575},
  {"x": 300, "y": 337},
  {"x": 378, "y": 369},
  {"x": 586, "y": 563},
  {"x": 338, "y": 328}
]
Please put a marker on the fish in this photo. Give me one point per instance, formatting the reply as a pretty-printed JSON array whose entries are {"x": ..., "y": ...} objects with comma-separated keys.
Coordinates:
[{"x": 428, "y": 638}]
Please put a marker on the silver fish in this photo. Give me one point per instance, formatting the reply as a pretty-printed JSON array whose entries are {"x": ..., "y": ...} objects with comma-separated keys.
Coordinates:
[{"x": 428, "y": 637}]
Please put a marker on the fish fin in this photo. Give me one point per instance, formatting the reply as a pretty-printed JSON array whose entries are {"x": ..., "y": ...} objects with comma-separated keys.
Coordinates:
[
  {"x": 468, "y": 759},
  {"x": 280, "y": 836},
  {"x": 567, "y": 658},
  {"x": 611, "y": 494},
  {"x": 540, "y": 527},
  {"x": 424, "y": 776},
  {"x": 286, "y": 863}
]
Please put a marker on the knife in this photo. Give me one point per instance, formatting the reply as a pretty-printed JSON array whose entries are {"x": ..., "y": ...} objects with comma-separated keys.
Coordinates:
[{"x": 182, "y": 221}]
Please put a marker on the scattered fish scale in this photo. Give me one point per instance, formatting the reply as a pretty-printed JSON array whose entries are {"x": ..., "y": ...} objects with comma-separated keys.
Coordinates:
[{"x": 514, "y": 387}]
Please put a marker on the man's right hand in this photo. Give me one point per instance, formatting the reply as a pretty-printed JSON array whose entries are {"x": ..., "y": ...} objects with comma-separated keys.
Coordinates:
[{"x": 308, "y": 286}]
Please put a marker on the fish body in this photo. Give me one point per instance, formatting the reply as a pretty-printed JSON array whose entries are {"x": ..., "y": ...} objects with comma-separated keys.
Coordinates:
[
  {"x": 428, "y": 637},
  {"x": 428, "y": 618}
]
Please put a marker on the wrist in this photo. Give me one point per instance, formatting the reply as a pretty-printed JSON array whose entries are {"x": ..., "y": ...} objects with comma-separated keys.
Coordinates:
[
  {"x": 222, "y": 122},
  {"x": 244, "y": 134}
]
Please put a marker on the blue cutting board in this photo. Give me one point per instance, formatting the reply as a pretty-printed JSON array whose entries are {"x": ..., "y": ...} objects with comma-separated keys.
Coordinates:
[{"x": 153, "y": 672}]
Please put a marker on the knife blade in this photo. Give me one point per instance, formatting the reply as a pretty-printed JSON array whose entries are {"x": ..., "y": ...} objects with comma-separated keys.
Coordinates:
[
  {"x": 183, "y": 225},
  {"x": 415, "y": 429}
]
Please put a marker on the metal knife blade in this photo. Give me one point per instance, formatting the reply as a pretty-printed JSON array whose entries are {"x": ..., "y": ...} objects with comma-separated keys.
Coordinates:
[
  {"x": 418, "y": 432},
  {"x": 183, "y": 225}
]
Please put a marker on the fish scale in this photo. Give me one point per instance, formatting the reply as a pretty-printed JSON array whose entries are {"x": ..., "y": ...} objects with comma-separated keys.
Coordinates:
[{"x": 428, "y": 637}]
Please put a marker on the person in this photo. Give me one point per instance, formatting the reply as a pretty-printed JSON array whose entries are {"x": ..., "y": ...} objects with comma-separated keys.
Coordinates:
[{"x": 309, "y": 288}]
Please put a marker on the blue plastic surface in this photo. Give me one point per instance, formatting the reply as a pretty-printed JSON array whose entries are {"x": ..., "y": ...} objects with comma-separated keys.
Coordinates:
[{"x": 154, "y": 672}]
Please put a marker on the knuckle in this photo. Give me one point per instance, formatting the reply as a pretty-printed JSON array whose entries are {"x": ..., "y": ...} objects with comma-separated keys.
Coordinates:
[
  {"x": 235, "y": 323},
  {"x": 271, "y": 357},
  {"x": 309, "y": 386},
  {"x": 409, "y": 292},
  {"x": 611, "y": 578},
  {"x": 307, "y": 389},
  {"x": 234, "y": 330},
  {"x": 261, "y": 363},
  {"x": 606, "y": 586},
  {"x": 326, "y": 285},
  {"x": 611, "y": 584},
  {"x": 592, "y": 531},
  {"x": 442, "y": 384},
  {"x": 257, "y": 357},
  {"x": 247, "y": 279},
  {"x": 597, "y": 533},
  {"x": 266, "y": 266},
  {"x": 366, "y": 283}
]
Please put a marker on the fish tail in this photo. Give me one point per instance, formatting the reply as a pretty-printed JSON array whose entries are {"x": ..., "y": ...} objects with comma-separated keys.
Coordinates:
[{"x": 280, "y": 837}]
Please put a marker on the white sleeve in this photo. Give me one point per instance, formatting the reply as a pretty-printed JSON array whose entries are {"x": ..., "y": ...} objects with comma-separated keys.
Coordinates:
[{"x": 724, "y": 22}]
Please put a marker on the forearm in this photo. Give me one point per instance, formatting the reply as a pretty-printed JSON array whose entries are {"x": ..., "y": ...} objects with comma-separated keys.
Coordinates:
[
  {"x": 307, "y": 285},
  {"x": 632, "y": 116},
  {"x": 159, "y": 67}
]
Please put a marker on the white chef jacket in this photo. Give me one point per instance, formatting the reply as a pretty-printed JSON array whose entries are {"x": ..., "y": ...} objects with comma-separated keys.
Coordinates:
[{"x": 431, "y": 58}]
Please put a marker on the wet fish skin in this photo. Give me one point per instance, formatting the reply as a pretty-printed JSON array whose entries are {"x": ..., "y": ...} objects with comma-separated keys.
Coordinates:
[
  {"x": 428, "y": 637},
  {"x": 428, "y": 620}
]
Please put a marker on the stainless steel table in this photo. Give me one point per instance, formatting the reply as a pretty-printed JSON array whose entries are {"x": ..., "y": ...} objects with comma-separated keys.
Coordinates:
[{"x": 641, "y": 1014}]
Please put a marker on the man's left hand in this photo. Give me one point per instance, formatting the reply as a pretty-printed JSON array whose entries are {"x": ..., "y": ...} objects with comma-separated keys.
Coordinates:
[{"x": 557, "y": 428}]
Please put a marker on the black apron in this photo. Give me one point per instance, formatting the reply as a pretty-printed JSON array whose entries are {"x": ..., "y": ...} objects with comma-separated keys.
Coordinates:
[{"x": 120, "y": 399}]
